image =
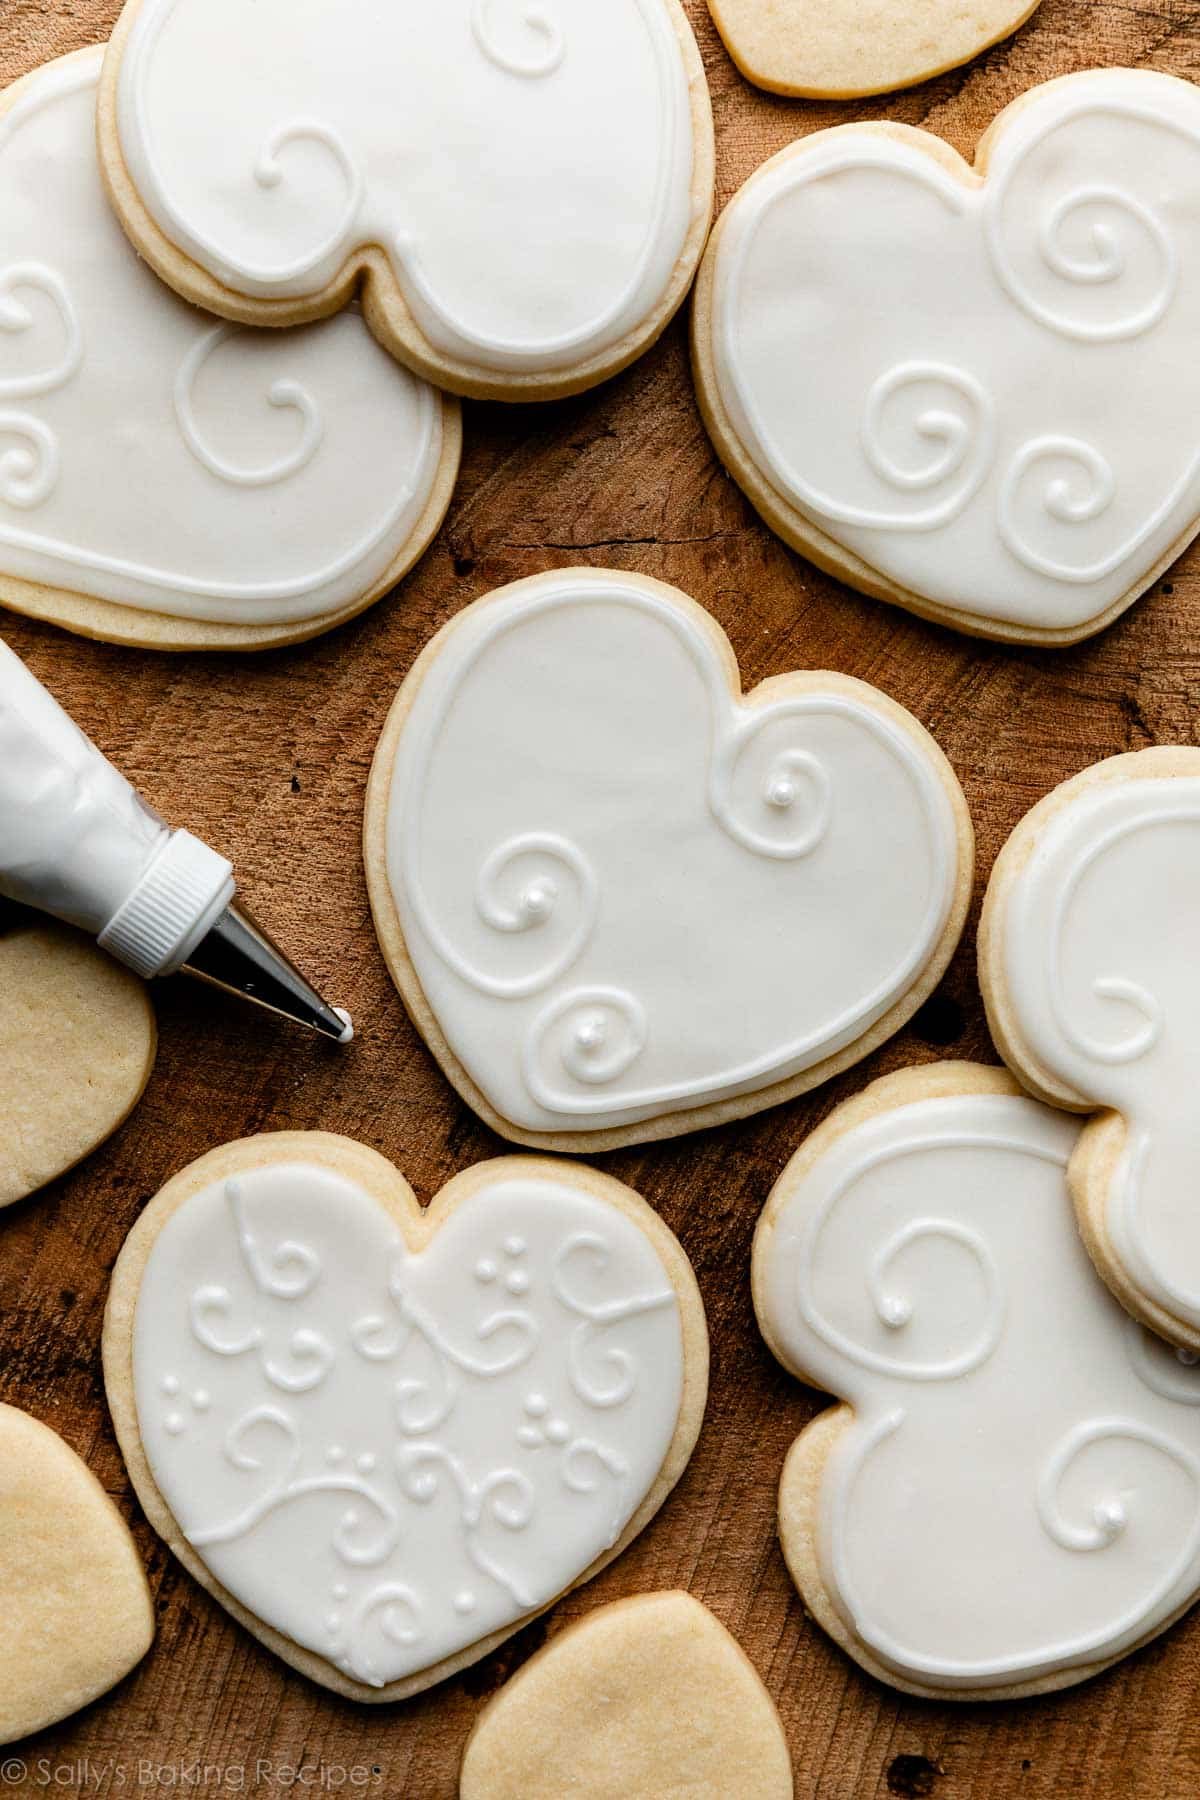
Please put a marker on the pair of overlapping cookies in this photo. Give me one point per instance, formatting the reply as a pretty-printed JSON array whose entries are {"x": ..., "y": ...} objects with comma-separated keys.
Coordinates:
[{"x": 385, "y": 1438}]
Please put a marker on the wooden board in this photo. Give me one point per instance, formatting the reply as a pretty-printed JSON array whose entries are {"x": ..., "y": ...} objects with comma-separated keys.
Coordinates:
[{"x": 267, "y": 758}]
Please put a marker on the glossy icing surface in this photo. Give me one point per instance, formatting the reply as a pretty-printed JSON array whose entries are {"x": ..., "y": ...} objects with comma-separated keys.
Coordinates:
[
  {"x": 261, "y": 148},
  {"x": 152, "y": 457},
  {"x": 626, "y": 893},
  {"x": 1019, "y": 1491},
  {"x": 1102, "y": 977},
  {"x": 982, "y": 390},
  {"x": 388, "y": 1455}
]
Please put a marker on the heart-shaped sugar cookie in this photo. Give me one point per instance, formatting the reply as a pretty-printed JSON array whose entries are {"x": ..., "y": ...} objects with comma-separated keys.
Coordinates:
[
  {"x": 620, "y": 900},
  {"x": 650, "y": 1697},
  {"x": 77, "y": 1043},
  {"x": 521, "y": 192},
  {"x": 75, "y": 1609},
  {"x": 382, "y": 1437},
  {"x": 1007, "y": 1500},
  {"x": 166, "y": 480},
  {"x": 970, "y": 391},
  {"x": 835, "y": 49}
]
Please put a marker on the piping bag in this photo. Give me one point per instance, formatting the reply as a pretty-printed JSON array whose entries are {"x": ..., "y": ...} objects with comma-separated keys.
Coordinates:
[{"x": 78, "y": 842}]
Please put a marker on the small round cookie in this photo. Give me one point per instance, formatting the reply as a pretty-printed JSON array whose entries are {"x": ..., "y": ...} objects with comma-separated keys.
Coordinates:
[
  {"x": 75, "y": 1607},
  {"x": 168, "y": 481},
  {"x": 385, "y": 1437},
  {"x": 650, "y": 1696},
  {"x": 520, "y": 194},
  {"x": 959, "y": 389},
  {"x": 1086, "y": 963},
  {"x": 77, "y": 1045},
  {"x": 843, "y": 49},
  {"x": 622, "y": 901},
  {"x": 1005, "y": 1502}
]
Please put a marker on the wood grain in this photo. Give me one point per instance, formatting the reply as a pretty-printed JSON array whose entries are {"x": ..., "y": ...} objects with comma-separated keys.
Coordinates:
[{"x": 268, "y": 758}]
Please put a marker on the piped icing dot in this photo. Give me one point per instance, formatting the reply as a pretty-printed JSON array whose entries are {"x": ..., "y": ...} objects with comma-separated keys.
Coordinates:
[
  {"x": 558, "y": 1431},
  {"x": 514, "y": 1246},
  {"x": 895, "y": 1313},
  {"x": 335, "y": 1454},
  {"x": 536, "y": 1405},
  {"x": 201, "y": 1399},
  {"x": 485, "y": 1270},
  {"x": 1111, "y": 1517},
  {"x": 174, "y": 1423},
  {"x": 170, "y": 1384},
  {"x": 366, "y": 1462},
  {"x": 464, "y": 1602},
  {"x": 591, "y": 1032},
  {"x": 781, "y": 793},
  {"x": 537, "y": 902},
  {"x": 517, "y": 1282},
  {"x": 530, "y": 1437}
]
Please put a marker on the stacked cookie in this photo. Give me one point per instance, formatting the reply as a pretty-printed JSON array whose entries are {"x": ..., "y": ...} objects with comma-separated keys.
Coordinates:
[{"x": 386, "y": 1437}]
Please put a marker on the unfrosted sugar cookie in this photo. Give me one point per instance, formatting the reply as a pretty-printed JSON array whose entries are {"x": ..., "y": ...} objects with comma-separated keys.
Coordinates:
[
  {"x": 650, "y": 1696},
  {"x": 167, "y": 480},
  {"x": 1092, "y": 989},
  {"x": 970, "y": 392},
  {"x": 1005, "y": 1501},
  {"x": 384, "y": 1437},
  {"x": 836, "y": 49},
  {"x": 521, "y": 192},
  {"x": 623, "y": 901},
  {"x": 75, "y": 1608},
  {"x": 77, "y": 1045}
]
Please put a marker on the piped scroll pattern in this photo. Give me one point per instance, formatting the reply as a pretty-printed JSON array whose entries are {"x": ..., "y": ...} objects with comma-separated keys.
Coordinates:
[
  {"x": 284, "y": 395},
  {"x": 1134, "y": 996},
  {"x": 1097, "y": 238},
  {"x": 30, "y": 458},
  {"x": 545, "y": 43},
  {"x": 288, "y": 1272},
  {"x": 378, "y": 1609},
  {"x": 1117, "y": 1031},
  {"x": 30, "y": 455},
  {"x": 1079, "y": 1505}
]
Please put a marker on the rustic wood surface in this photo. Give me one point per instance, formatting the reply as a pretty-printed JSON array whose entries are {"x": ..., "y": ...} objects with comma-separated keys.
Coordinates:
[{"x": 267, "y": 758}]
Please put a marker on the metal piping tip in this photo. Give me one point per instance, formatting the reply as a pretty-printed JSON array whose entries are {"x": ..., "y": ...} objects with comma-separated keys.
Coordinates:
[{"x": 238, "y": 956}]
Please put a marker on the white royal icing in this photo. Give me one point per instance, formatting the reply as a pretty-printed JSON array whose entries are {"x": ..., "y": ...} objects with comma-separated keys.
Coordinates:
[
  {"x": 151, "y": 457},
  {"x": 985, "y": 391},
  {"x": 526, "y": 168},
  {"x": 1101, "y": 975},
  {"x": 388, "y": 1456},
  {"x": 626, "y": 893},
  {"x": 1019, "y": 1491}
]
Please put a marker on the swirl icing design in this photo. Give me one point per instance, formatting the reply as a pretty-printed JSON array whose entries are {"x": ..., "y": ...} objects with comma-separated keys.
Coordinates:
[
  {"x": 103, "y": 494},
  {"x": 618, "y": 819},
  {"x": 989, "y": 460},
  {"x": 390, "y": 1454},
  {"x": 926, "y": 1268},
  {"x": 1100, "y": 976},
  {"x": 520, "y": 134}
]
